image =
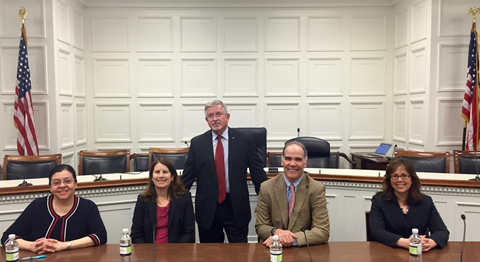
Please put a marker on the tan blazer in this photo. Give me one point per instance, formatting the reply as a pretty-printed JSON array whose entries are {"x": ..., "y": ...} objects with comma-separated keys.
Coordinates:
[{"x": 310, "y": 210}]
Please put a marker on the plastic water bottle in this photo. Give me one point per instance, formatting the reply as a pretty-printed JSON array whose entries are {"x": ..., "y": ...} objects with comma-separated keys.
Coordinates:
[
  {"x": 275, "y": 250},
  {"x": 125, "y": 243},
  {"x": 11, "y": 249},
  {"x": 415, "y": 246}
]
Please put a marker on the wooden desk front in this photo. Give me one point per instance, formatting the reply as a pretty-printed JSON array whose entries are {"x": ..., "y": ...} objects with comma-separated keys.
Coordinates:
[
  {"x": 373, "y": 163},
  {"x": 332, "y": 252}
]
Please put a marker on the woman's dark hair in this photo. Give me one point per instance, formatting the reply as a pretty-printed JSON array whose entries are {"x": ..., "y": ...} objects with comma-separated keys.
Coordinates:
[
  {"x": 414, "y": 194},
  {"x": 60, "y": 168},
  {"x": 176, "y": 187}
]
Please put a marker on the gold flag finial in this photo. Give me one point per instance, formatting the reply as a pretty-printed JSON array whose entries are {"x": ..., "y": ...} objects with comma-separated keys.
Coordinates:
[
  {"x": 22, "y": 13},
  {"x": 473, "y": 11}
]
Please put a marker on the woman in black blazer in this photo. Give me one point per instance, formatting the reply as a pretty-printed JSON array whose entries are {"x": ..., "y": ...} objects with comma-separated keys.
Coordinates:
[
  {"x": 164, "y": 207},
  {"x": 400, "y": 206}
]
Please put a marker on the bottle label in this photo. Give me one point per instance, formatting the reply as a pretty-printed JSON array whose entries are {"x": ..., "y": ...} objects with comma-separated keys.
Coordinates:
[
  {"x": 415, "y": 250},
  {"x": 12, "y": 256},
  {"x": 125, "y": 250},
  {"x": 275, "y": 257}
]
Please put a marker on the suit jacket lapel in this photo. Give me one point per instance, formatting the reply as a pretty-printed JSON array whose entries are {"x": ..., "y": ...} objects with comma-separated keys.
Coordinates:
[
  {"x": 208, "y": 147},
  {"x": 171, "y": 210},
  {"x": 281, "y": 198},
  {"x": 300, "y": 196}
]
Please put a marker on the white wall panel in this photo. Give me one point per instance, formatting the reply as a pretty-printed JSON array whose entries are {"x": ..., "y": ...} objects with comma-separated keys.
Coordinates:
[
  {"x": 111, "y": 78},
  {"x": 367, "y": 120},
  {"x": 155, "y": 123},
  {"x": 155, "y": 34},
  {"x": 369, "y": 33},
  {"x": 10, "y": 23},
  {"x": 452, "y": 67},
  {"x": 244, "y": 115},
  {"x": 324, "y": 76},
  {"x": 67, "y": 125},
  {"x": 64, "y": 73},
  {"x": 193, "y": 120},
  {"x": 399, "y": 121},
  {"x": 110, "y": 34},
  {"x": 368, "y": 76},
  {"x": 81, "y": 123},
  {"x": 449, "y": 123},
  {"x": 277, "y": 115},
  {"x": 419, "y": 21},
  {"x": 401, "y": 29},
  {"x": 63, "y": 23},
  {"x": 8, "y": 66},
  {"x": 78, "y": 30},
  {"x": 112, "y": 122},
  {"x": 241, "y": 77},
  {"x": 79, "y": 76},
  {"x": 240, "y": 34},
  {"x": 155, "y": 77},
  {"x": 8, "y": 129},
  {"x": 400, "y": 67},
  {"x": 417, "y": 122},
  {"x": 418, "y": 71},
  {"x": 68, "y": 159},
  {"x": 323, "y": 120},
  {"x": 472, "y": 213},
  {"x": 282, "y": 77},
  {"x": 199, "y": 77},
  {"x": 198, "y": 34},
  {"x": 452, "y": 17},
  {"x": 282, "y": 34},
  {"x": 324, "y": 34}
]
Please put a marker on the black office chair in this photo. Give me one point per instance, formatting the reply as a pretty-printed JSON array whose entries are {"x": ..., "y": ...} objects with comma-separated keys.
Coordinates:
[
  {"x": 260, "y": 137},
  {"x": 178, "y": 156},
  {"x": 140, "y": 162},
  {"x": 466, "y": 162},
  {"x": 274, "y": 159},
  {"x": 104, "y": 162},
  {"x": 19, "y": 167},
  {"x": 318, "y": 151},
  {"x": 436, "y": 162},
  {"x": 367, "y": 222}
]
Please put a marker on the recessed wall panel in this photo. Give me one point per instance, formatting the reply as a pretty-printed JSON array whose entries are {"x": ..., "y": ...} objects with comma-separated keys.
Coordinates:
[
  {"x": 155, "y": 34},
  {"x": 78, "y": 31},
  {"x": 401, "y": 23},
  {"x": 79, "y": 76},
  {"x": 155, "y": 78},
  {"x": 368, "y": 76},
  {"x": 193, "y": 121},
  {"x": 329, "y": 128},
  {"x": 81, "y": 124},
  {"x": 198, "y": 34},
  {"x": 399, "y": 121},
  {"x": 240, "y": 77},
  {"x": 452, "y": 67},
  {"x": 67, "y": 127},
  {"x": 418, "y": 71},
  {"x": 63, "y": 22},
  {"x": 111, "y": 78},
  {"x": 372, "y": 113},
  {"x": 448, "y": 129},
  {"x": 417, "y": 122},
  {"x": 110, "y": 34},
  {"x": 65, "y": 72},
  {"x": 240, "y": 34},
  {"x": 324, "y": 77},
  {"x": 369, "y": 33},
  {"x": 282, "y": 34},
  {"x": 155, "y": 123},
  {"x": 243, "y": 115},
  {"x": 282, "y": 77},
  {"x": 324, "y": 34},
  {"x": 276, "y": 115},
  {"x": 11, "y": 24},
  {"x": 452, "y": 17},
  {"x": 199, "y": 77},
  {"x": 400, "y": 67},
  {"x": 419, "y": 22},
  {"x": 112, "y": 123}
]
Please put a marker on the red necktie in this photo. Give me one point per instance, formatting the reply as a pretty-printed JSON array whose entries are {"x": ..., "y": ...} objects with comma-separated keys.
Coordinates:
[
  {"x": 291, "y": 200},
  {"x": 220, "y": 165}
]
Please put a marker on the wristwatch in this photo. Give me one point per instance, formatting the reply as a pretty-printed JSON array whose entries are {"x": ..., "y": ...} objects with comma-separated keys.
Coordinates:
[
  {"x": 273, "y": 231},
  {"x": 69, "y": 245}
]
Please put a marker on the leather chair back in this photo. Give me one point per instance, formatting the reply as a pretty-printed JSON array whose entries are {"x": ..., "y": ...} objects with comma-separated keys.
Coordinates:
[
  {"x": 465, "y": 162},
  {"x": 274, "y": 159},
  {"x": 260, "y": 137},
  {"x": 178, "y": 156},
  {"x": 19, "y": 167},
  {"x": 104, "y": 162},
  {"x": 436, "y": 162},
  {"x": 140, "y": 162},
  {"x": 318, "y": 151}
]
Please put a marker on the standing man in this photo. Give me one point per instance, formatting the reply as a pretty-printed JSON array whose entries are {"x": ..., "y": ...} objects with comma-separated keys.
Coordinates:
[
  {"x": 293, "y": 202},
  {"x": 218, "y": 159}
]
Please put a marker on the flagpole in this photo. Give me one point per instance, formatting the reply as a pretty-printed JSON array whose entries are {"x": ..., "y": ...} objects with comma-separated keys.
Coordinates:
[{"x": 22, "y": 13}]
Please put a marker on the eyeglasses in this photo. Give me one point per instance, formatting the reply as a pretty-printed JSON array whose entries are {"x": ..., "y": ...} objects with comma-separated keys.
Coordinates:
[
  {"x": 66, "y": 181},
  {"x": 217, "y": 115},
  {"x": 404, "y": 177}
]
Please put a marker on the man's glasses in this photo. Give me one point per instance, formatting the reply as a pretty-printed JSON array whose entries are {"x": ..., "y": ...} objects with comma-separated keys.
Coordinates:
[
  {"x": 217, "y": 115},
  {"x": 66, "y": 181},
  {"x": 404, "y": 177}
]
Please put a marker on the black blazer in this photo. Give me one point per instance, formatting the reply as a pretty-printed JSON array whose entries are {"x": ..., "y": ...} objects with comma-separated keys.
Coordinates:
[
  {"x": 200, "y": 165},
  {"x": 181, "y": 224},
  {"x": 388, "y": 223}
]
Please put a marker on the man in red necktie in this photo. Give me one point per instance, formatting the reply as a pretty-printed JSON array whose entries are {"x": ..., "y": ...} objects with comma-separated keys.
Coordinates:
[{"x": 218, "y": 160}]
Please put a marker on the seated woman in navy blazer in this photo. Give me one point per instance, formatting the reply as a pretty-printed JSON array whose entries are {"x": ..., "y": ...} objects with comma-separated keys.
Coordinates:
[
  {"x": 400, "y": 206},
  {"x": 59, "y": 221},
  {"x": 164, "y": 207}
]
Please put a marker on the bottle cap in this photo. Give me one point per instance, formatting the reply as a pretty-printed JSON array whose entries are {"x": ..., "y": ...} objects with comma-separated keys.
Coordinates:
[
  {"x": 275, "y": 238},
  {"x": 11, "y": 236},
  {"x": 125, "y": 230},
  {"x": 415, "y": 231}
]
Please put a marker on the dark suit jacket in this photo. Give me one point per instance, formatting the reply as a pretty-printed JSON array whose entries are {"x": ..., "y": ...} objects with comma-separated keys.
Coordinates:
[
  {"x": 388, "y": 223},
  {"x": 200, "y": 165},
  {"x": 181, "y": 223}
]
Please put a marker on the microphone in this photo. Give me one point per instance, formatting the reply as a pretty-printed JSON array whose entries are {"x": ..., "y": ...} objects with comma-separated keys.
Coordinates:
[
  {"x": 154, "y": 231},
  {"x": 306, "y": 241},
  {"x": 186, "y": 143},
  {"x": 24, "y": 183},
  {"x": 298, "y": 132},
  {"x": 464, "y": 231}
]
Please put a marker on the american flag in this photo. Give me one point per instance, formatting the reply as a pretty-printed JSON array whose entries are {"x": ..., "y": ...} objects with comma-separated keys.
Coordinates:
[{"x": 23, "y": 117}]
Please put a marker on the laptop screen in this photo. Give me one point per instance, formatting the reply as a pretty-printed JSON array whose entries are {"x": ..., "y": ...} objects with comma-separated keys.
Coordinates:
[{"x": 383, "y": 149}]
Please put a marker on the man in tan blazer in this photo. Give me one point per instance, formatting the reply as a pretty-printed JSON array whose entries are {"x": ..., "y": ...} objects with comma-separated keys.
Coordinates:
[{"x": 308, "y": 210}]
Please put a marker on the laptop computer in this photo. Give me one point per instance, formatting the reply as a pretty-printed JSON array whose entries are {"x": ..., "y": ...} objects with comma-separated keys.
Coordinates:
[{"x": 381, "y": 151}]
